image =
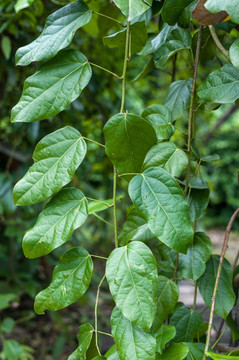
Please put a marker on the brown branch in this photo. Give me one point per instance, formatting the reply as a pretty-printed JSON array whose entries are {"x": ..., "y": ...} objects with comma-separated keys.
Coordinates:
[{"x": 223, "y": 252}]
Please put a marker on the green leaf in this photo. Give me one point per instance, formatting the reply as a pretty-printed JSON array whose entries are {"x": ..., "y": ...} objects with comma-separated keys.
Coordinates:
[
  {"x": 53, "y": 87},
  {"x": 225, "y": 298},
  {"x": 97, "y": 206},
  {"x": 184, "y": 19},
  {"x": 132, "y": 342},
  {"x": 56, "y": 156},
  {"x": 5, "y": 300},
  {"x": 138, "y": 33},
  {"x": 173, "y": 351},
  {"x": 230, "y": 6},
  {"x": 173, "y": 9},
  {"x": 6, "y": 47},
  {"x": 135, "y": 229},
  {"x": 167, "y": 156},
  {"x": 137, "y": 135},
  {"x": 133, "y": 9},
  {"x": 177, "y": 40},
  {"x": 221, "y": 86},
  {"x": 12, "y": 349},
  {"x": 187, "y": 322},
  {"x": 196, "y": 351},
  {"x": 210, "y": 158},
  {"x": 57, "y": 34},
  {"x": 84, "y": 339},
  {"x": 178, "y": 97},
  {"x": 160, "y": 118},
  {"x": 64, "y": 213},
  {"x": 159, "y": 199},
  {"x": 131, "y": 272},
  {"x": 221, "y": 357},
  {"x": 234, "y": 54},
  {"x": 193, "y": 264},
  {"x": 164, "y": 334},
  {"x": 7, "y": 325},
  {"x": 71, "y": 279},
  {"x": 198, "y": 202},
  {"x": 23, "y": 4},
  {"x": 168, "y": 294}
]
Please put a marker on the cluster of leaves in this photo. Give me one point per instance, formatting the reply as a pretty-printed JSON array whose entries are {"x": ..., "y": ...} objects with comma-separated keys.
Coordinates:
[{"x": 143, "y": 278}]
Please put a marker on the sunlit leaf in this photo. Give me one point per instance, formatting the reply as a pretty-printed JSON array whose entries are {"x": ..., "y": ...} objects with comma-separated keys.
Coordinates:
[
  {"x": 132, "y": 9},
  {"x": 230, "y": 6}
]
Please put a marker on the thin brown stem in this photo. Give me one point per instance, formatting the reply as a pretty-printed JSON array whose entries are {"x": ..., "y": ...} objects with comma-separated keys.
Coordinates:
[
  {"x": 96, "y": 314},
  {"x": 224, "y": 249},
  {"x": 218, "y": 43},
  {"x": 191, "y": 109}
]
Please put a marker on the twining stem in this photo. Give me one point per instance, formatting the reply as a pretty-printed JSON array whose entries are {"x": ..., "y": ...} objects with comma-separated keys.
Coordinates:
[
  {"x": 126, "y": 58},
  {"x": 191, "y": 109},
  {"x": 108, "y": 17},
  {"x": 224, "y": 249},
  {"x": 96, "y": 314},
  {"x": 218, "y": 43},
  {"x": 106, "y": 70}
]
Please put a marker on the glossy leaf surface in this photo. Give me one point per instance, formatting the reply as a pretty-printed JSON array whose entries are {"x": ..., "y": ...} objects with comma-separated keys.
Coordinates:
[
  {"x": 137, "y": 135},
  {"x": 53, "y": 87},
  {"x": 198, "y": 201},
  {"x": 161, "y": 120},
  {"x": 196, "y": 351},
  {"x": 164, "y": 334},
  {"x": 159, "y": 199},
  {"x": 173, "y": 9},
  {"x": 84, "y": 339},
  {"x": 234, "y": 54},
  {"x": 221, "y": 86},
  {"x": 187, "y": 322},
  {"x": 57, "y": 34},
  {"x": 230, "y": 6},
  {"x": 168, "y": 294},
  {"x": 173, "y": 351},
  {"x": 178, "y": 97},
  {"x": 193, "y": 264},
  {"x": 167, "y": 156},
  {"x": 64, "y": 213},
  {"x": 132, "y": 9},
  {"x": 56, "y": 156},
  {"x": 71, "y": 279},
  {"x": 225, "y": 296},
  {"x": 131, "y": 272},
  {"x": 132, "y": 342},
  {"x": 135, "y": 229}
]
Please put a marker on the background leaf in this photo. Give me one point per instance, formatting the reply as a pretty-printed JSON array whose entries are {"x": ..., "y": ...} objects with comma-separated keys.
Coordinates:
[
  {"x": 178, "y": 97},
  {"x": 173, "y": 351},
  {"x": 71, "y": 279},
  {"x": 53, "y": 87},
  {"x": 159, "y": 199},
  {"x": 131, "y": 272},
  {"x": 64, "y": 213},
  {"x": 198, "y": 201},
  {"x": 56, "y": 156}
]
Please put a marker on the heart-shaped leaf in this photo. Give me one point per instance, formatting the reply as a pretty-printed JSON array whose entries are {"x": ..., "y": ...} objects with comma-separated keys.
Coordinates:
[
  {"x": 133, "y": 9},
  {"x": 71, "y": 279},
  {"x": 160, "y": 118},
  {"x": 56, "y": 156},
  {"x": 178, "y": 97}
]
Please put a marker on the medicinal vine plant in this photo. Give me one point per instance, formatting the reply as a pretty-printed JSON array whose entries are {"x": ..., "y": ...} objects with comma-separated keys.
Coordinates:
[{"x": 159, "y": 244}]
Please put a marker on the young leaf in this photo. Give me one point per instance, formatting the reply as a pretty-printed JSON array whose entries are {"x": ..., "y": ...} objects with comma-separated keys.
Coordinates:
[
  {"x": 173, "y": 9},
  {"x": 221, "y": 357},
  {"x": 178, "y": 97},
  {"x": 84, "y": 339},
  {"x": 164, "y": 334},
  {"x": 136, "y": 134},
  {"x": 187, "y": 322},
  {"x": 57, "y": 34},
  {"x": 160, "y": 118},
  {"x": 193, "y": 264},
  {"x": 225, "y": 296},
  {"x": 234, "y": 54},
  {"x": 131, "y": 272},
  {"x": 133, "y": 9},
  {"x": 132, "y": 342},
  {"x": 56, "y": 156},
  {"x": 167, "y": 156},
  {"x": 221, "y": 86},
  {"x": 138, "y": 33},
  {"x": 198, "y": 201},
  {"x": 6, "y": 47},
  {"x": 22, "y": 4},
  {"x": 71, "y": 279},
  {"x": 135, "y": 229},
  {"x": 177, "y": 40},
  {"x": 173, "y": 351},
  {"x": 168, "y": 294},
  {"x": 159, "y": 199},
  {"x": 196, "y": 351},
  {"x": 230, "y": 6},
  {"x": 64, "y": 213},
  {"x": 53, "y": 87}
]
